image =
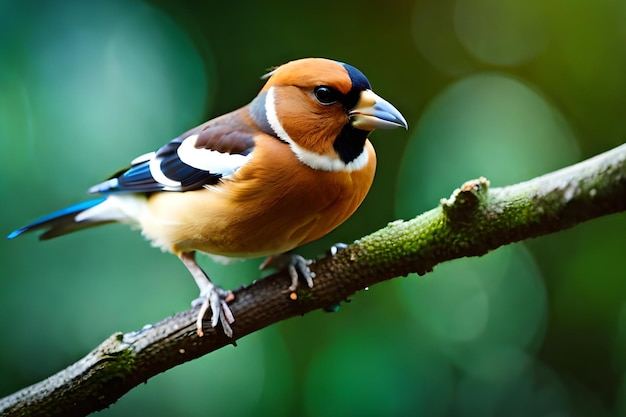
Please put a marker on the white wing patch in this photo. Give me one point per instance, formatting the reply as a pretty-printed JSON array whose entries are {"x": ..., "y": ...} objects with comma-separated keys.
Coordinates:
[
  {"x": 159, "y": 176},
  {"x": 209, "y": 160}
]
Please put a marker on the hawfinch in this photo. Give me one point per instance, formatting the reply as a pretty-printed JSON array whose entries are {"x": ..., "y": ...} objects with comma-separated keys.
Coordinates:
[{"x": 262, "y": 180}]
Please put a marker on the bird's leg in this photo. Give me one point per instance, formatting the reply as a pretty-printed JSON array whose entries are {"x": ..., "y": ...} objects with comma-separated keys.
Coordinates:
[{"x": 210, "y": 296}]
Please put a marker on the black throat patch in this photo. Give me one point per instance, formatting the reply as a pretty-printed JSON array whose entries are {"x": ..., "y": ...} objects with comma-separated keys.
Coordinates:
[{"x": 350, "y": 143}]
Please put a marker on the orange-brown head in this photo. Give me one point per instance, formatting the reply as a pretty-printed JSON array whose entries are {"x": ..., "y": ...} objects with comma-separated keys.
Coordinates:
[{"x": 324, "y": 110}]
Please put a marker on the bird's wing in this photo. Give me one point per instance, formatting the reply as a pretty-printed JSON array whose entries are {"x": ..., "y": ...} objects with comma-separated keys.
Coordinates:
[{"x": 199, "y": 157}]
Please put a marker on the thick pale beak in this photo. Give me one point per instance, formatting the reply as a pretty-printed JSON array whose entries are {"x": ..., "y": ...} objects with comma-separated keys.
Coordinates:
[{"x": 374, "y": 112}]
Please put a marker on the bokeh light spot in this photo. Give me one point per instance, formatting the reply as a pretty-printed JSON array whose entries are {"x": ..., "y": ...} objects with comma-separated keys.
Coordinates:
[
  {"x": 488, "y": 124},
  {"x": 433, "y": 32},
  {"x": 520, "y": 27},
  {"x": 111, "y": 86}
]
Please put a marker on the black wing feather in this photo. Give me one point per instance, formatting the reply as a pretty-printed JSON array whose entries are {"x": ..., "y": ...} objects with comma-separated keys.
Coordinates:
[{"x": 180, "y": 176}]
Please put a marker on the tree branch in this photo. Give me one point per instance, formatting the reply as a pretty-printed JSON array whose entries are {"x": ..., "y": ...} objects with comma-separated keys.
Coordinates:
[{"x": 474, "y": 220}]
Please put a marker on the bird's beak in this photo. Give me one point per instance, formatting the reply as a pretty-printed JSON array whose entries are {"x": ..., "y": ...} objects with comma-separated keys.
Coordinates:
[{"x": 374, "y": 112}]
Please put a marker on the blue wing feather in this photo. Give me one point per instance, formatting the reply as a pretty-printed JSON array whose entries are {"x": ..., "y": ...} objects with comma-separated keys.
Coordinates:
[
  {"x": 63, "y": 217},
  {"x": 137, "y": 177}
]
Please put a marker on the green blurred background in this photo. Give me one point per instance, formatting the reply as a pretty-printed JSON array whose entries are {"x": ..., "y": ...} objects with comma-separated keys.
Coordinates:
[{"x": 505, "y": 89}]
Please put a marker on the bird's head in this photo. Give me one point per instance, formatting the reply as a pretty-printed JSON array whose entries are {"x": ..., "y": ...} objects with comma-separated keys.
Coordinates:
[{"x": 324, "y": 110}]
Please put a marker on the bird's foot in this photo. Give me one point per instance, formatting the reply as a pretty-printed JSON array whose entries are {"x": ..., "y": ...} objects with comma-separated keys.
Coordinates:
[
  {"x": 296, "y": 265},
  {"x": 217, "y": 300}
]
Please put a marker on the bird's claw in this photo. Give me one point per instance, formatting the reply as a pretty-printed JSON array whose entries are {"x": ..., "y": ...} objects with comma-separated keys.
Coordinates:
[
  {"x": 296, "y": 265},
  {"x": 299, "y": 267},
  {"x": 216, "y": 299}
]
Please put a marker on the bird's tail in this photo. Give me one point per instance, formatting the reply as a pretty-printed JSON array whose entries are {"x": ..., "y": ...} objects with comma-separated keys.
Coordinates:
[{"x": 64, "y": 221}]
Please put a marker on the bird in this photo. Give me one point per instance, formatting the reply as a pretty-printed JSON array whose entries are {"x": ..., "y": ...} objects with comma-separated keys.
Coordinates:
[{"x": 260, "y": 181}]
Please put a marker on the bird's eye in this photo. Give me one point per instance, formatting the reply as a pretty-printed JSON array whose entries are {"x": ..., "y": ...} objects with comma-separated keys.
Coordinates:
[{"x": 325, "y": 94}]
